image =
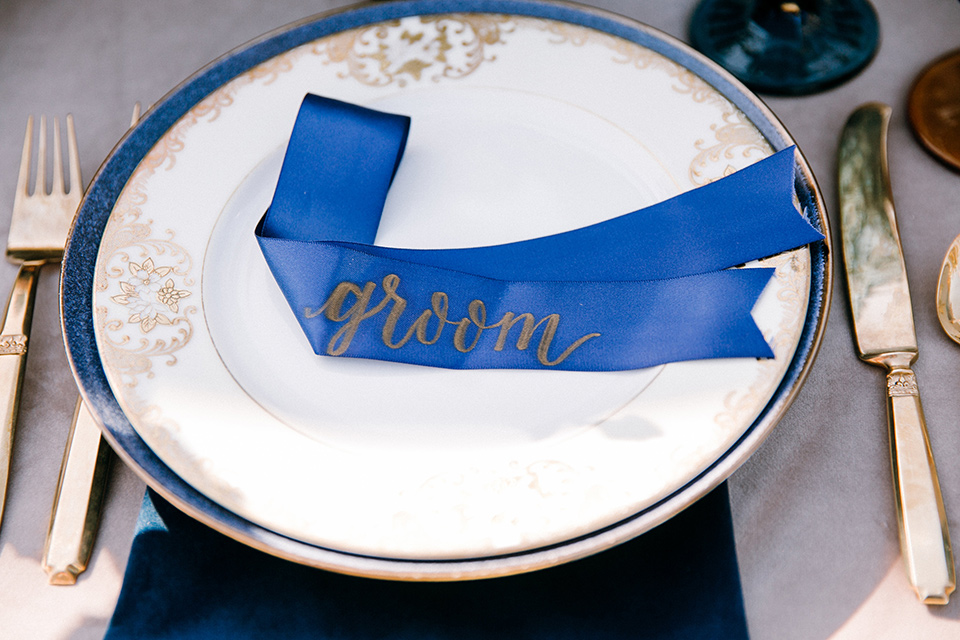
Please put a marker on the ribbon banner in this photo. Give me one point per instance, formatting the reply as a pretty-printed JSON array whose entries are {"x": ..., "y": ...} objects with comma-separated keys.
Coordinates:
[{"x": 645, "y": 288}]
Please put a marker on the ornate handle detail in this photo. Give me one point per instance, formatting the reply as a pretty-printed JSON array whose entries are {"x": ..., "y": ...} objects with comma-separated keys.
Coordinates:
[
  {"x": 902, "y": 382},
  {"x": 13, "y": 360}
]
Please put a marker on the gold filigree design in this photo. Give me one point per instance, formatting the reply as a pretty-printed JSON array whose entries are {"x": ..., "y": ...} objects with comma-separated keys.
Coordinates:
[
  {"x": 735, "y": 136},
  {"x": 902, "y": 383},
  {"x": 154, "y": 293},
  {"x": 402, "y": 51},
  {"x": 576, "y": 35},
  {"x": 13, "y": 345},
  {"x": 734, "y": 133},
  {"x": 629, "y": 53},
  {"x": 147, "y": 297},
  {"x": 130, "y": 246}
]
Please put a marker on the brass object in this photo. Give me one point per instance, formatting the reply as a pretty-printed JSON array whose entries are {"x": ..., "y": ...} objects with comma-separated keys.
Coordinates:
[
  {"x": 883, "y": 323},
  {"x": 80, "y": 489},
  {"x": 38, "y": 233},
  {"x": 76, "y": 508},
  {"x": 948, "y": 292},
  {"x": 934, "y": 108},
  {"x": 16, "y": 326}
]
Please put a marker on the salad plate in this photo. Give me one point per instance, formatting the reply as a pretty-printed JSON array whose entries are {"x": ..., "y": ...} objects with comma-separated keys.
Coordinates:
[{"x": 528, "y": 118}]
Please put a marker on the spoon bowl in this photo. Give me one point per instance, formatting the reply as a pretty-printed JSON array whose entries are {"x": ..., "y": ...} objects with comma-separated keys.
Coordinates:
[{"x": 948, "y": 292}]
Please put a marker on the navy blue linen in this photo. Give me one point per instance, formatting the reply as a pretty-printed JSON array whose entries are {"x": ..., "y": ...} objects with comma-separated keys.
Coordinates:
[{"x": 678, "y": 581}]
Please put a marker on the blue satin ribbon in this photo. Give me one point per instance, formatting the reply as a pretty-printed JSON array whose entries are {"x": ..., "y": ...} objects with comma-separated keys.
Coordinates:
[{"x": 645, "y": 288}]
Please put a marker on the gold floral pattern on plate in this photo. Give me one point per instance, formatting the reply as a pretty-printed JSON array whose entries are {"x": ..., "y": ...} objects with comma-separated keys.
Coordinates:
[
  {"x": 149, "y": 296},
  {"x": 734, "y": 134},
  {"x": 145, "y": 320},
  {"x": 152, "y": 293},
  {"x": 146, "y": 276},
  {"x": 626, "y": 52},
  {"x": 428, "y": 47}
]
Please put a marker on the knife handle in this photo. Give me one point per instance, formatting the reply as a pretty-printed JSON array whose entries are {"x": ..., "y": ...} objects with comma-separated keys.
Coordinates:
[
  {"x": 13, "y": 363},
  {"x": 924, "y": 538},
  {"x": 76, "y": 508}
]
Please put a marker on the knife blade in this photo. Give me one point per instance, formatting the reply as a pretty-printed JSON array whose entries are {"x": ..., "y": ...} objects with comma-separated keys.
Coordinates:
[{"x": 885, "y": 337}]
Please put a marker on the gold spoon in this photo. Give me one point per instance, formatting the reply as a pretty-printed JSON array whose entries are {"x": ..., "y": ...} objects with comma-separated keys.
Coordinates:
[{"x": 948, "y": 291}]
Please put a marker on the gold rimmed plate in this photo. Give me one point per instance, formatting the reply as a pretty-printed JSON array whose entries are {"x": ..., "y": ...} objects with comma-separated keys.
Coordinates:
[{"x": 529, "y": 118}]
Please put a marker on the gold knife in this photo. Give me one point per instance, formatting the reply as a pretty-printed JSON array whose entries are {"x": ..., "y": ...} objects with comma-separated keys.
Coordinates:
[
  {"x": 75, "y": 516},
  {"x": 885, "y": 336}
]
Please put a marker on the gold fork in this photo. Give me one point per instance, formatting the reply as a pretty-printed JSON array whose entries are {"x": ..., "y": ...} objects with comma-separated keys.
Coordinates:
[
  {"x": 81, "y": 486},
  {"x": 38, "y": 232}
]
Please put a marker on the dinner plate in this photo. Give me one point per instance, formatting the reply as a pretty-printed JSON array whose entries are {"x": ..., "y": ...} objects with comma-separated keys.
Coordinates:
[{"x": 529, "y": 118}]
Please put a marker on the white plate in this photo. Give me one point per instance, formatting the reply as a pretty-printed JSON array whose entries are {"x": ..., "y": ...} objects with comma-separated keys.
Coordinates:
[{"x": 523, "y": 125}]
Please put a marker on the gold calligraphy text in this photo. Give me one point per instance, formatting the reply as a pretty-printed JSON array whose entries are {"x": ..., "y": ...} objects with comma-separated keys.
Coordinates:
[{"x": 351, "y": 305}]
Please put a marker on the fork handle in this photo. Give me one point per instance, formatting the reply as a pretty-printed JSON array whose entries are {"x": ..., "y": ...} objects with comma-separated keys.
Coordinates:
[
  {"x": 13, "y": 360},
  {"x": 924, "y": 538}
]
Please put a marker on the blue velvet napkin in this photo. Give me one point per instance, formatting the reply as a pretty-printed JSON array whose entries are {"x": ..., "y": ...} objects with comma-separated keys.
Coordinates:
[{"x": 185, "y": 581}]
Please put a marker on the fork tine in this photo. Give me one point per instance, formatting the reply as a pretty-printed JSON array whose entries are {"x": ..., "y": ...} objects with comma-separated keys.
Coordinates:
[
  {"x": 24, "y": 177},
  {"x": 76, "y": 182},
  {"x": 57, "y": 186},
  {"x": 41, "y": 184}
]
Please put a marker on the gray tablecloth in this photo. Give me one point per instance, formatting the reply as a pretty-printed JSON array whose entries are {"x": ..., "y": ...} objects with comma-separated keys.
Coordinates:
[{"x": 813, "y": 508}]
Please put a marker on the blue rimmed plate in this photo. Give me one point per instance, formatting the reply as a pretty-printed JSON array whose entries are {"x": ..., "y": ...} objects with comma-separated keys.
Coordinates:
[{"x": 528, "y": 118}]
